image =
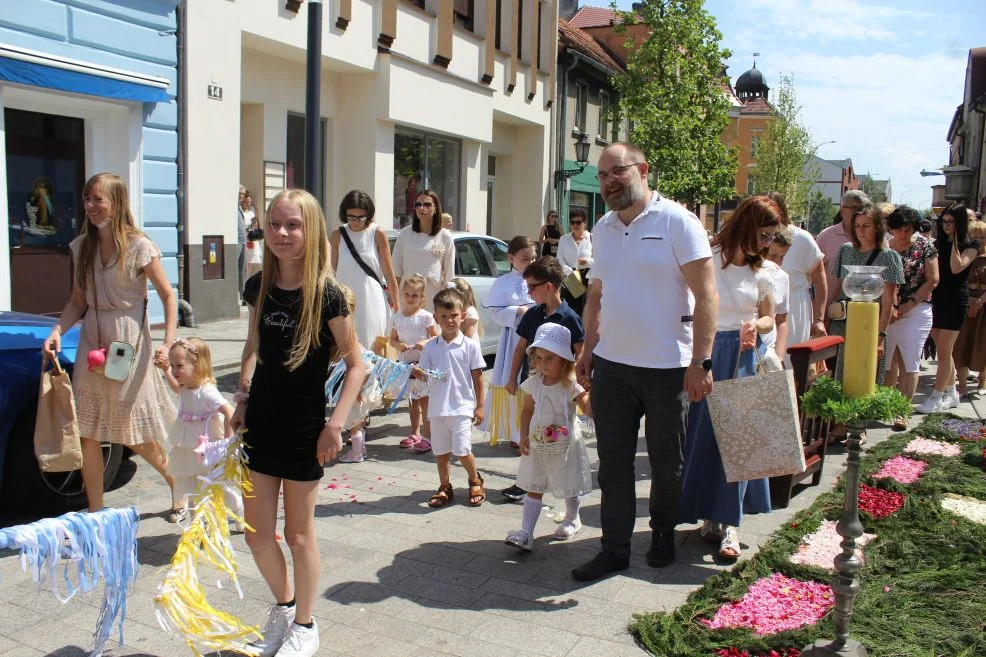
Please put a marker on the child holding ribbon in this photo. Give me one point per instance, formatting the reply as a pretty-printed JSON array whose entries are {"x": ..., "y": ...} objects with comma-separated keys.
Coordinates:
[
  {"x": 203, "y": 416},
  {"x": 411, "y": 327},
  {"x": 553, "y": 456}
]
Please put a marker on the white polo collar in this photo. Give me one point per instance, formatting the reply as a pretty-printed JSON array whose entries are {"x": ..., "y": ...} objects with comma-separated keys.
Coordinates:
[
  {"x": 457, "y": 341},
  {"x": 612, "y": 218}
]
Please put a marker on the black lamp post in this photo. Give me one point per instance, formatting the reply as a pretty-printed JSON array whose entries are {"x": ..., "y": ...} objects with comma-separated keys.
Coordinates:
[{"x": 581, "y": 156}]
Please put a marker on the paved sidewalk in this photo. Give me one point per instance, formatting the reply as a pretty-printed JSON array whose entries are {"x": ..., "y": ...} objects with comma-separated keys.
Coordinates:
[{"x": 399, "y": 579}]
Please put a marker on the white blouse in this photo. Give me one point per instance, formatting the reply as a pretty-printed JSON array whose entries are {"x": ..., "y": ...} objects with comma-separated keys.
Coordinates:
[
  {"x": 740, "y": 292},
  {"x": 569, "y": 252}
]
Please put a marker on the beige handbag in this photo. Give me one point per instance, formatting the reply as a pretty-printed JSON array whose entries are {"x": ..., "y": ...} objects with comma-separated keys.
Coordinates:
[
  {"x": 757, "y": 426},
  {"x": 56, "y": 431}
]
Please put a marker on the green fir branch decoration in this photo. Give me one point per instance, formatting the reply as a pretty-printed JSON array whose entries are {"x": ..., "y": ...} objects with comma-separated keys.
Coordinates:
[{"x": 824, "y": 399}]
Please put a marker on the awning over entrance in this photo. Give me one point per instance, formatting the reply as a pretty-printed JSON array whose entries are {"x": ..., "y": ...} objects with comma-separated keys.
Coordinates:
[
  {"x": 585, "y": 181},
  {"x": 41, "y": 70}
]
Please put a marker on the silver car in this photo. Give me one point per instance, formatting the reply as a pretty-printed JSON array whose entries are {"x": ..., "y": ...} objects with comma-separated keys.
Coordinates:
[{"x": 479, "y": 259}]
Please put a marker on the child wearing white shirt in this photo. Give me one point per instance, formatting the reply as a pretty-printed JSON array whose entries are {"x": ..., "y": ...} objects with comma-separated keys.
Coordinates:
[{"x": 456, "y": 397}]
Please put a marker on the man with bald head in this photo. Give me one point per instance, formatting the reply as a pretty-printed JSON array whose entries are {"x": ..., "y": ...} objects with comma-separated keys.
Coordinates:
[{"x": 650, "y": 319}]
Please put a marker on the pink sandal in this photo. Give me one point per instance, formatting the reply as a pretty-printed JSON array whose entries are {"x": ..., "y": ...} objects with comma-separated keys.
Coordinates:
[
  {"x": 411, "y": 441},
  {"x": 422, "y": 446}
]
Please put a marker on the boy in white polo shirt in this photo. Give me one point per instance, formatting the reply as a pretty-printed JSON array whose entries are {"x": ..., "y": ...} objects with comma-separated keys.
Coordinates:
[{"x": 456, "y": 399}]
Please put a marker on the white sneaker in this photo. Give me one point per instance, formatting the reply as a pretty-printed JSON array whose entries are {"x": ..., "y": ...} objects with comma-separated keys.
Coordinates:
[
  {"x": 950, "y": 400},
  {"x": 933, "y": 404},
  {"x": 520, "y": 538},
  {"x": 301, "y": 641},
  {"x": 279, "y": 621},
  {"x": 568, "y": 529}
]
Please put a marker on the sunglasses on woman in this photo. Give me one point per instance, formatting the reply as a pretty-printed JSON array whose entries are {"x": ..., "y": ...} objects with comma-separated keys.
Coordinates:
[{"x": 423, "y": 204}]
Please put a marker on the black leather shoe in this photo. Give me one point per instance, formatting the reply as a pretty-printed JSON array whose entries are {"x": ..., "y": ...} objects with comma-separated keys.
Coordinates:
[
  {"x": 515, "y": 493},
  {"x": 661, "y": 552},
  {"x": 600, "y": 565}
]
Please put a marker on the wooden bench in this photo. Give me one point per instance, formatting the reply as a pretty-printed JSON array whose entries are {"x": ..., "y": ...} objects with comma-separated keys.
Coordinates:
[{"x": 814, "y": 431}]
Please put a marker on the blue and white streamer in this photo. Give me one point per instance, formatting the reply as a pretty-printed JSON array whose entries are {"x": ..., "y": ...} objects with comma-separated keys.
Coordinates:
[{"x": 78, "y": 550}]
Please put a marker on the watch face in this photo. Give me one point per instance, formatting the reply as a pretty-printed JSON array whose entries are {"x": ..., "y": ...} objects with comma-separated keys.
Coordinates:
[{"x": 707, "y": 364}]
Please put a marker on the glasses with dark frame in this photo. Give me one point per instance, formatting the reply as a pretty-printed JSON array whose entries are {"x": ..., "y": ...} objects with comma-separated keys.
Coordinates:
[
  {"x": 353, "y": 217},
  {"x": 531, "y": 288},
  {"x": 616, "y": 171}
]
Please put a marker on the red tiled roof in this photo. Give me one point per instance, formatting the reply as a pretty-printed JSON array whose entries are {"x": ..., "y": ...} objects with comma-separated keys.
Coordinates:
[
  {"x": 757, "y": 105},
  {"x": 582, "y": 42},
  {"x": 594, "y": 17}
]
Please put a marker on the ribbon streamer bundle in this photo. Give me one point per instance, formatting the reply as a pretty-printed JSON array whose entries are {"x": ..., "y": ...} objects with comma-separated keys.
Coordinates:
[
  {"x": 504, "y": 415},
  {"x": 392, "y": 377},
  {"x": 181, "y": 602},
  {"x": 94, "y": 546}
]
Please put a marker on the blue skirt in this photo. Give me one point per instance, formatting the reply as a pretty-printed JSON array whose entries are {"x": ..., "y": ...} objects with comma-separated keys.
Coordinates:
[{"x": 705, "y": 494}]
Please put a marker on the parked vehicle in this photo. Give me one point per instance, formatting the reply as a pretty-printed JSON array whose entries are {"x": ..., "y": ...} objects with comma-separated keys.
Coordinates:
[
  {"x": 479, "y": 259},
  {"x": 23, "y": 483}
]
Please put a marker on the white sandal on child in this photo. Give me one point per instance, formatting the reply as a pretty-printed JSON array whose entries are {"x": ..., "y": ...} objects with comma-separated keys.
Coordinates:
[
  {"x": 730, "y": 547},
  {"x": 568, "y": 529}
]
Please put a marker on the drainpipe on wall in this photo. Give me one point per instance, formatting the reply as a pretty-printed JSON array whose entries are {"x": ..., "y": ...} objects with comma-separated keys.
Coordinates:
[
  {"x": 186, "y": 314},
  {"x": 562, "y": 104}
]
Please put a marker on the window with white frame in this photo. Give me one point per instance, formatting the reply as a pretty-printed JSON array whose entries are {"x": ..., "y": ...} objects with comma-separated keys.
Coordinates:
[
  {"x": 581, "y": 104},
  {"x": 605, "y": 108}
]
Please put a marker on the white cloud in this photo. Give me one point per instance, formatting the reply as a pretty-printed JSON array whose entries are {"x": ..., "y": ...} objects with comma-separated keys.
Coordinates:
[{"x": 828, "y": 19}]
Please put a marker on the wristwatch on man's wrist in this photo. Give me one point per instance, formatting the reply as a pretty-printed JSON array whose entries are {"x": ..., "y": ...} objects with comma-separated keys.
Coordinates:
[{"x": 704, "y": 363}]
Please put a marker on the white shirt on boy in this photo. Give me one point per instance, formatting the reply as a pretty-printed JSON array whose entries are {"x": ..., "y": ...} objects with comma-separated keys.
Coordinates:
[{"x": 453, "y": 396}]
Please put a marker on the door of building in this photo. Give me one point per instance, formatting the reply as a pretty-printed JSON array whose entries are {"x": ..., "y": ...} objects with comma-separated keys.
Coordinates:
[{"x": 46, "y": 159}]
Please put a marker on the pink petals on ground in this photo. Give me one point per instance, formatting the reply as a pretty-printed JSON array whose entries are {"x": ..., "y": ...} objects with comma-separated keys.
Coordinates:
[
  {"x": 902, "y": 469},
  {"x": 879, "y": 503},
  {"x": 932, "y": 447},
  {"x": 775, "y": 604},
  {"x": 820, "y": 547}
]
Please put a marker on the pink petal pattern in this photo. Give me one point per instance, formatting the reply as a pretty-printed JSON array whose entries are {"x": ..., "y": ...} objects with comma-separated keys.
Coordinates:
[
  {"x": 932, "y": 447},
  {"x": 820, "y": 547},
  {"x": 902, "y": 469},
  {"x": 775, "y": 604}
]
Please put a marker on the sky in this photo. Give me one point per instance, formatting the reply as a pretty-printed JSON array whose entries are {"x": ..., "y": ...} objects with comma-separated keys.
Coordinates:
[{"x": 881, "y": 78}]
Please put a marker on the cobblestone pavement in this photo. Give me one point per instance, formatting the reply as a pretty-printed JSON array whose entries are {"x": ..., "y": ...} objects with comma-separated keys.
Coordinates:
[{"x": 401, "y": 580}]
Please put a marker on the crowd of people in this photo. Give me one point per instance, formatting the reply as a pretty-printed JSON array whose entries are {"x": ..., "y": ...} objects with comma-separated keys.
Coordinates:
[{"x": 713, "y": 307}]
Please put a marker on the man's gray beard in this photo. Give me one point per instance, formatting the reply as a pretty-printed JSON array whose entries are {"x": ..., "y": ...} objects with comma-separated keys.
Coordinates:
[{"x": 631, "y": 194}]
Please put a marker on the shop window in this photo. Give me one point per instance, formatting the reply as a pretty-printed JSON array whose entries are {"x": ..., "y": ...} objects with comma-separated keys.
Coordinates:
[
  {"x": 581, "y": 104},
  {"x": 424, "y": 161},
  {"x": 295, "y": 165}
]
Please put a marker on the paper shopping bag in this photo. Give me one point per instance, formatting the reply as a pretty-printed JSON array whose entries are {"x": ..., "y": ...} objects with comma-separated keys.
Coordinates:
[
  {"x": 56, "y": 431},
  {"x": 757, "y": 426}
]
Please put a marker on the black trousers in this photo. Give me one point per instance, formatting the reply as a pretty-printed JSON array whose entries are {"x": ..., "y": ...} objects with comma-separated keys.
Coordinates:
[{"x": 621, "y": 395}]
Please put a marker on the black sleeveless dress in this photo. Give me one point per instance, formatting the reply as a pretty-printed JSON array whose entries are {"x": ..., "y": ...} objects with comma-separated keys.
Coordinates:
[
  {"x": 551, "y": 231},
  {"x": 286, "y": 411}
]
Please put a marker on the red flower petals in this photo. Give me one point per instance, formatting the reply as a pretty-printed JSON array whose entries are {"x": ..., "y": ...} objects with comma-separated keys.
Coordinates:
[{"x": 879, "y": 503}]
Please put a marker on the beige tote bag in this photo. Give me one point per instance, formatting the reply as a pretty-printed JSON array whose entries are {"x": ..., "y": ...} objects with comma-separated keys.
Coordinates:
[
  {"x": 56, "y": 431},
  {"x": 757, "y": 425}
]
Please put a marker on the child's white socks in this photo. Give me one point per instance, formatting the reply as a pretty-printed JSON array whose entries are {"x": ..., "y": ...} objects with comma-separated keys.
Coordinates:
[{"x": 532, "y": 510}]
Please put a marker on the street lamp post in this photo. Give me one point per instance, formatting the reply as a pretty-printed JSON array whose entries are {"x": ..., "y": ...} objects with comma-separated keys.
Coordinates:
[{"x": 581, "y": 156}]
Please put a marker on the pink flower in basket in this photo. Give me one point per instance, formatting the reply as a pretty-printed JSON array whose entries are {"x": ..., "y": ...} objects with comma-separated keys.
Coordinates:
[{"x": 555, "y": 432}]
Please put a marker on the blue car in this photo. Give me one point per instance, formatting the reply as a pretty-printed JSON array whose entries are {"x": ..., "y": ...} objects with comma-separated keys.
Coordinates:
[{"x": 23, "y": 483}]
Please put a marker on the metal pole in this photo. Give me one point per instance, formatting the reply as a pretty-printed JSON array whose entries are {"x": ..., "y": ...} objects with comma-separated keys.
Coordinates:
[
  {"x": 313, "y": 90},
  {"x": 847, "y": 565}
]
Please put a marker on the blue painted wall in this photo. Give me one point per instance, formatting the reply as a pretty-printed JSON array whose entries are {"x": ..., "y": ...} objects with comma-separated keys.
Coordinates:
[{"x": 134, "y": 35}]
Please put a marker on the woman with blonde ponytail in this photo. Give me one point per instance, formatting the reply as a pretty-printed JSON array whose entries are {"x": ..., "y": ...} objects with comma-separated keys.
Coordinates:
[{"x": 299, "y": 321}]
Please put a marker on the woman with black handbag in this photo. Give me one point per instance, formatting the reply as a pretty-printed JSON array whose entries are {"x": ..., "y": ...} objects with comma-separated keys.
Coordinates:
[{"x": 361, "y": 261}]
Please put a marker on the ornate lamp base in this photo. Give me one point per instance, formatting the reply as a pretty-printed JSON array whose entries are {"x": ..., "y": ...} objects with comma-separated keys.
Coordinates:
[{"x": 826, "y": 648}]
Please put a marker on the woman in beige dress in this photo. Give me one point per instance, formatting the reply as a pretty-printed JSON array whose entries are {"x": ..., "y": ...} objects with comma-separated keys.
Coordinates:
[
  {"x": 113, "y": 261},
  {"x": 426, "y": 248}
]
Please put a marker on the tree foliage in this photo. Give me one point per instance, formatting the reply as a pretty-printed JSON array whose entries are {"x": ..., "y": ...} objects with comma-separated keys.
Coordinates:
[
  {"x": 672, "y": 93},
  {"x": 782, "y": 162},
  {"x": 821, "y": 211},
  {"x": 875, "y": 191}
]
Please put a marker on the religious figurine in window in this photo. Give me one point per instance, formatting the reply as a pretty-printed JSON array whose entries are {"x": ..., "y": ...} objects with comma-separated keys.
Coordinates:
[{"x": 40, "y": 208}]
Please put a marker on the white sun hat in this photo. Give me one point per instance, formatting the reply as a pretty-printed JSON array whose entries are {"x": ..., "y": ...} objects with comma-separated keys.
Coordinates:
[{"x": 555, "y": 338}]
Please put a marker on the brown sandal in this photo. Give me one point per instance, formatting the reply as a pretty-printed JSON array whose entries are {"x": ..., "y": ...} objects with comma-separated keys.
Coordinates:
[
  {"x": 477, "y": 491},
  {"x": 442, "y": 497}
]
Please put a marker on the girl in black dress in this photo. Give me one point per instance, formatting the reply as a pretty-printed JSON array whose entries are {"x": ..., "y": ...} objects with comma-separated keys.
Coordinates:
[
  {"x": 949, "y": 302},
  {"x": 299, "y": 321}
]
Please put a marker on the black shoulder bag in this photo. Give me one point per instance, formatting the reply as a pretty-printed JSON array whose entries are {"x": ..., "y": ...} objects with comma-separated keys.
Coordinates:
[{"x": 359, "y": 261}]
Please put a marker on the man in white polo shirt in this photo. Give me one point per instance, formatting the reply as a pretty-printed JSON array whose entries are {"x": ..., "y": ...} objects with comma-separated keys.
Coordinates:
[{"x": 650, "y": 319}]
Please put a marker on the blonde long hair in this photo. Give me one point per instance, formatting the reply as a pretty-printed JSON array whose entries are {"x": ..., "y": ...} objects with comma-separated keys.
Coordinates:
[
  {"x": 316, "y": 271},
  {"x": 462, "y": 286},
  {"x": 123, "y": 226}
]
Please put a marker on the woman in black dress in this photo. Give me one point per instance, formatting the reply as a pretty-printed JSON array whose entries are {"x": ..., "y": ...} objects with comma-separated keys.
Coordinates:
[
  {"x": 550, "y": 234},
  {"x": 299, "y": 321},
  {"x": 950, "y": 302}
]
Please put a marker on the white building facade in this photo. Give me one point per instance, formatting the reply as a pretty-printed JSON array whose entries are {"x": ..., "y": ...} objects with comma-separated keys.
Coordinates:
[
  {"x": 429, "y": 94},
  {"x": 827, "y": 177}
]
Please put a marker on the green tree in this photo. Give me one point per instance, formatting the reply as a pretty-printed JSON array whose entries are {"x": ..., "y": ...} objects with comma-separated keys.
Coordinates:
[
  {"x": 672, "y": 93},
  {"x": 782, "y": 162},
  {"x": 821, "y": 212},
  {"x": 872, "y": 189}
]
